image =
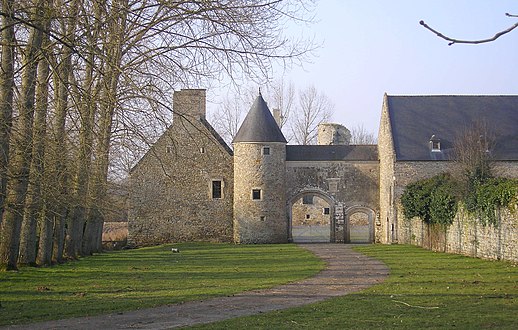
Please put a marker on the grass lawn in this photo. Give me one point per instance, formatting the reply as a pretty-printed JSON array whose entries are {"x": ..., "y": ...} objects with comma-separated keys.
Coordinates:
[
  {"x": 425, "y": 290},
  {"x": 147, "y": 277}
]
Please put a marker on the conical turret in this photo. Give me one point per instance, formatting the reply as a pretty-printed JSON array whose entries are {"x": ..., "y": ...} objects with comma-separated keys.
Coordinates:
[{"x": 260, "y": 179}]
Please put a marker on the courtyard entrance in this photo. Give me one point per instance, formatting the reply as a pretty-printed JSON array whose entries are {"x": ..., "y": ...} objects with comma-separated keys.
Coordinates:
[
  {"x": 359, "y": 225},
  {"x": 311, "y": 215}
]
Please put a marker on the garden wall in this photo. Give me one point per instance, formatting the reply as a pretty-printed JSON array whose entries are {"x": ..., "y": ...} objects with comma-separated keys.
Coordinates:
[{"x": 465, "y": 236}]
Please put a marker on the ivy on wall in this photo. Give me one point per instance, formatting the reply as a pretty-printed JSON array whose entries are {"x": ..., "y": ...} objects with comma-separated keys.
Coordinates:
[
  {"x": 435, "y": 200},
  {"x": 486, "y": 197}
]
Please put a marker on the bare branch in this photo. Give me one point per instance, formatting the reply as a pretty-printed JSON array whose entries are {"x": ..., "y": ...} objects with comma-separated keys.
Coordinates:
[{"x": 481, "y": 41}]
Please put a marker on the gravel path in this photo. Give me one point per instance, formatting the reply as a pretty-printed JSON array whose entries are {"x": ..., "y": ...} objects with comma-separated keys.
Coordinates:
[{"x": 347, "y": 271}]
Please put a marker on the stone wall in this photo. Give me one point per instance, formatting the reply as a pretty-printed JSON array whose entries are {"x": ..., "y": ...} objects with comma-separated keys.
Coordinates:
[
  {"x": 333, "y": 134},
  {"x": 171, "y": 187},
  {"x": 263, "y": 220},
  {"x": 465, "y": 236},
  {"x": 506, "y": 169},
  {"x": 411, "y": 171},
  {"x": 387, "y": 156},
  {"x": 347, "y": 183},
  {"x": 310, "y": 214}
]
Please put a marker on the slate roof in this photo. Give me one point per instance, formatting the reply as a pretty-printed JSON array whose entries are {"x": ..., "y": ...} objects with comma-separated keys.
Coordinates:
[
  {"x": 331, "y": 152},
  {"x": 414, "y": 119},
  {"x": 259, "y": 125}
]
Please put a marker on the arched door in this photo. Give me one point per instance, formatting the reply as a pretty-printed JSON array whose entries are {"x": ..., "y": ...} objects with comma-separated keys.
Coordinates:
[
  {"x": 311, "y": 217},
  {"x": 359, "y": 225}
]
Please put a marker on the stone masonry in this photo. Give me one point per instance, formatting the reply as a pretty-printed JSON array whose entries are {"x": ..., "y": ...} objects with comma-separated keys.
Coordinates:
[
  {"x": 171, "y": 186},
  {"x": 191, "y": 186},
  {"x": 261, "y": 220}
]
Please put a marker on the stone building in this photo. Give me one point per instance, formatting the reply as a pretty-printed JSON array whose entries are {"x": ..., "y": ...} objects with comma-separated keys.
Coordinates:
[
  {"x": 183, "y": 187},
  {"x": 416, "y": 138},
  {"x": 260, "y": 179},
  {"x": 191, "y": 186}
]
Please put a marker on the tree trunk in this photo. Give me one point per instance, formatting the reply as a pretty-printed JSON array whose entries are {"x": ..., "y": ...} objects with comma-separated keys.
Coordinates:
[
  {"x": 7, "y": 40},
  {"x": 20, "y": 165},
  {"x": 40, "y": 132},
  {"x": 60, "y": 153},
  {"x": 33, "y": 204},
  {"x": 87, "y": 112},
  {"x": 57, "y": 199},
  {"x": 93, "y": 231}
]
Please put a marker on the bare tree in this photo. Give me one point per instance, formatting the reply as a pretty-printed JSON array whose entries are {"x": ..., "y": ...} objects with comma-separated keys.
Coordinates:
[
  {"x": 20, "y": 163},
  {"x": 229, "y": 116},
  {"x": 360, "y": 135},
  {"x": 7, "y": 40},
  {"x": 113, "y": 66},
  {"x": 453, "y": 41},
  {"x": 472, "y": 151},
  {"x": 313, "y": 109},
  {"x": 282, "y": 98}
]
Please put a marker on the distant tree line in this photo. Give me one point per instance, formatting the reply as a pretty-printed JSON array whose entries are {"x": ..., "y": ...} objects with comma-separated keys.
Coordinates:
[{"x": 84, "y": 81}]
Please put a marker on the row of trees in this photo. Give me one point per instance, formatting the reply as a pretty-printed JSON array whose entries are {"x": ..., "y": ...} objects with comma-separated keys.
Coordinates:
[
  {"x": 82, "y": 78},
  {"x": 300, "y": 111}
]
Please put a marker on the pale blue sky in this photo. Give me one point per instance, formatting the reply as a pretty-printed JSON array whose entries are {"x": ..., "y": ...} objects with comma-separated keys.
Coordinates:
[{"x": 371, "y": 47}]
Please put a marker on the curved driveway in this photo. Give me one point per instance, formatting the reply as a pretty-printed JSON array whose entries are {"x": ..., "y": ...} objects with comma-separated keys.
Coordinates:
[{"x": 347, "y": 271}]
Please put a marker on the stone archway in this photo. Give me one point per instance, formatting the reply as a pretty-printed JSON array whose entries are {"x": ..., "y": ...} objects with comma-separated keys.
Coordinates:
[
  {"x": 312, "y": 232},
  {"x": 359, "y": 224}
]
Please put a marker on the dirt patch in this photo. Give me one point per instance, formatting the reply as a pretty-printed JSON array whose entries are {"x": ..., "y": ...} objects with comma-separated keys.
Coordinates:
[{"x": 347, "y": 271}]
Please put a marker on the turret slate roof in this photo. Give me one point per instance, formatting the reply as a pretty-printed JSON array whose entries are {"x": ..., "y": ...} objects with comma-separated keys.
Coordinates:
[
  {"x": 415, "y": 119},
  {"x": 259, "y": 125}
]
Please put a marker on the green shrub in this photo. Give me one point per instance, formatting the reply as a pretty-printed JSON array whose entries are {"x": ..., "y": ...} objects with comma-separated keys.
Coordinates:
[
  {"x": 435, "y": 200},
  {"x": 432, "y": 200},
  {"x": 490, "y": 195}
]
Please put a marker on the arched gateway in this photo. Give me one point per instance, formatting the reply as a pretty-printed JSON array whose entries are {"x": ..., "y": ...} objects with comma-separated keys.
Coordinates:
[
  {"x": 359, "y": 224},
  {"x": 311, "y": 217},
  {"x": 314, "y": 216},
  {"x": 341, "y": 180}
]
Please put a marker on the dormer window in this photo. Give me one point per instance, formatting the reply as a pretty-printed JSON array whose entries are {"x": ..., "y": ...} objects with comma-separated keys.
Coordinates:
[{"x": 435, "y": 144}]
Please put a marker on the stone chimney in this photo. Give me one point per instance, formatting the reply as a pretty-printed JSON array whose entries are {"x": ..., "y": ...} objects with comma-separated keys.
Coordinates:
[
  {"x": 277, "y": 116},
  {"x": 189, "y": 103}
]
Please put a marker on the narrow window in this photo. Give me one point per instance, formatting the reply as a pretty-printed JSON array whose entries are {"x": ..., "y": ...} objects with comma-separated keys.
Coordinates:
[
  {"x": 308, "y": 216},
  {"x": 202, "y": 150},
  {"x": 256, "y": 194},
  {"x": 307, "y": 199},
  {"x": 325, "y": 211},
  {"x": 266, "y": 151},
  {"x": 262, "y": 217},
  {"x": 217, "y": 192}
]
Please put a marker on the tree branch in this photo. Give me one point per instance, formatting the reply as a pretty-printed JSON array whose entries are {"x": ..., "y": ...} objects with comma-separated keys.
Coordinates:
[{"x": 481, "y": 41}]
